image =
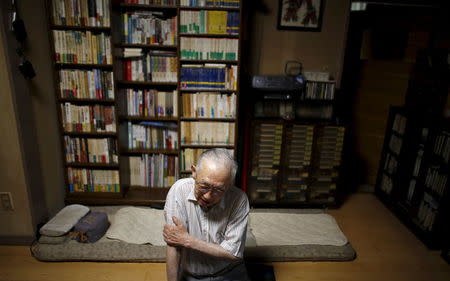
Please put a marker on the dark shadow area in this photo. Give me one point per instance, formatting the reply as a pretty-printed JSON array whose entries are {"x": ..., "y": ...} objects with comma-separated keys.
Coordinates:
[{"x": 260, "y": 272}]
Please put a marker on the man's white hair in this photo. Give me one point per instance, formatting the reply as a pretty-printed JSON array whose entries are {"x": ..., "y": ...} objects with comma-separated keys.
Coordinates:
[{"x": 221, "y": 156}]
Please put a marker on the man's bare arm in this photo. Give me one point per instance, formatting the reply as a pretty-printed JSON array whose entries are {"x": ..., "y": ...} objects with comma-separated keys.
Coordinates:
[
  {"x": 172, "y": 263},
  {"x": 177, "y": 236}
]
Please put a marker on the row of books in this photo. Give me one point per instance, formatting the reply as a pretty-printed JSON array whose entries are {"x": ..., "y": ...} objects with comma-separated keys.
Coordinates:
[
  {"x": 209, "y": 22},
  {"x": 81, "y": 12},
  {"x": 298, "y": 193},
  {"x": 436, "y": 180},
  {"x": 190, "y": 156},
  {"x": 209, "y": 48},
  {"x": 152, "y": 135},
  {"x": 151, "y": 68},
  {"x": 299, "y": 140},
  {"x": 399, "y": 124},
  {"x": 386, "y": 184},
  {"x": 155, "y": 170},
  {"x": 297, "y": 174},
  {"x": 319, "y": 91},
  {"x": 442, "y": 146},
  {"x": 83, "y": 150},
  {"x": 209, "y": 105},
  {"x": 261, "y": 193},
  {"x": 323, "y": 192},
  {"x": 266, "y": 158},
  {"x": 151, "y": 103},
  {"x": 207, "y": 133},
  {"x": 417, "y": 163},
  {"x": 209, "y": 76},
  {"x": 427, "y": 211},
  {"x": 152, "y": 2},
  {"x": 88, "y": 118},
  {"x": 82, "y": 47},
  {"x": 411, "y": 190},
  {"x": 330, "y": 144},
  {"x": 395, "y": 144},
  {"x": 390, "y": 164},
  {"x": 210, "y": 3},
  {"x": 145, "y": 27},
  {"x": 86, "y": 84},
  {"x": 88, "y": 180},
  {"x": 318, "y": 175}
]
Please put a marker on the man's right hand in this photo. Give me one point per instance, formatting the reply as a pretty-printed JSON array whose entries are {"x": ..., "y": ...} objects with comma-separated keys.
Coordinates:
[{"x": 176, "y": 235}]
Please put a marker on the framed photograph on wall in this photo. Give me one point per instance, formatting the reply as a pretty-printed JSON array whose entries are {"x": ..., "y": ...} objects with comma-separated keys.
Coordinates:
[{"x": 303, "y": 15}]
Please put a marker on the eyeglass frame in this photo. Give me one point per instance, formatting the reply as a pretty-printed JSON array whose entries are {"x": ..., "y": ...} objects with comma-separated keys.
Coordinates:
[{"x": 215, "y": 191}]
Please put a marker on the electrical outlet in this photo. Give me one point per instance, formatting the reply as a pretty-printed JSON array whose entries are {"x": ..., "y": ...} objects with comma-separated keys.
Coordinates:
[{"x": 6, "y": 203}]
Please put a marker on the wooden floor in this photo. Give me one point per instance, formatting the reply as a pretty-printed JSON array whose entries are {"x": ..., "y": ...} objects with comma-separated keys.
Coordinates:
[{"x": 386, "y": 251}]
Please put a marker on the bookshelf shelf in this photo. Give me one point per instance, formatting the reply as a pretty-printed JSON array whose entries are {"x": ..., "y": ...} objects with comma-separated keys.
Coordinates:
[
  {"x": 149, "y": 188},
  {"x": 126, "y": 83},
  {"x": 147, "y": 118},
  {"x": 208, "y": 119},
  {"x": 83, "y": 66},
  {"x": 208, "y": 8},
  {"x": 90, "y": 134},
  {"x": 146, "y": 46},
  {"x": 321, "y": 81},
  {"x": 91, "y": 195},
  {"x": 86, "y": 101},
  {"x": 219, "y": 91},
  {"x": 126, "y": 6},
  {"x": 93, "y": 165},
  {"x": 150, "y": 151},
  {"x": 207, "y": 35},
  {"x": 209, "y": 61},
  {"x": 206, "y": 146},
  {"x": 82, "y": 28}
]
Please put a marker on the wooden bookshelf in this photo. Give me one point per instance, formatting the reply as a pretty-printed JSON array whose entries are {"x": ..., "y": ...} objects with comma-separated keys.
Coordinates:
[
  {"x": 112, "y": 28},
  {"x": 411, "y": 181},
  {"x": 81, "y": 59}
]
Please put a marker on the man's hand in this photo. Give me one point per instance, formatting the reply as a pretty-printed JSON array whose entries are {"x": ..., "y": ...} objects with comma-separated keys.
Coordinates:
[{"x": 176, "y": 236}]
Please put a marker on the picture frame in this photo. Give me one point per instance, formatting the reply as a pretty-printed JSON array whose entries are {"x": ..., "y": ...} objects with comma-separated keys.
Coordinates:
[{"x": 302, "y": 15}]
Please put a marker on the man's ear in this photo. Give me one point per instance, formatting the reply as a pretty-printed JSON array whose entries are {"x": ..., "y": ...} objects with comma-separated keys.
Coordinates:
[{"x": 194, "y": 170}]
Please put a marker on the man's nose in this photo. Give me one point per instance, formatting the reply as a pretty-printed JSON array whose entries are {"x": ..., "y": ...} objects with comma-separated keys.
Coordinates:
[{"x": 208, "y": 194}]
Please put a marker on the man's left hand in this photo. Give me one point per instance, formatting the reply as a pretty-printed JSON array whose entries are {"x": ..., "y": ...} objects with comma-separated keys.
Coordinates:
[{"x": 176, "y": 235}]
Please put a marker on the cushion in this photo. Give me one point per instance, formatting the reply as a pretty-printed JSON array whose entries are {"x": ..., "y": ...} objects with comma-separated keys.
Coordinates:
[
  {"x": 91, "y": 227},
  {"x": 274, "y": 229},
  {"x": 64, "y": 220},
  {"x": 53, "y": 239},
  {"x": 138, "y": 226}
]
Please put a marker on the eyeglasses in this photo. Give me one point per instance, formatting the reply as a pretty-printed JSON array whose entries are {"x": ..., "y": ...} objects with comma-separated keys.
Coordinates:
[{"x": 215, "y": 191}]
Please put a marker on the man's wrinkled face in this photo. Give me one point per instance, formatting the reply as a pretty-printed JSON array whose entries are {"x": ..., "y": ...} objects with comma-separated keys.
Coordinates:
[{"x": 211, "y": 183}]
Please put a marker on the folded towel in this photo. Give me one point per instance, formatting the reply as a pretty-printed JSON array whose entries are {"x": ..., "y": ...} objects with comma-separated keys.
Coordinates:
[{"x": 64, "y": 220}]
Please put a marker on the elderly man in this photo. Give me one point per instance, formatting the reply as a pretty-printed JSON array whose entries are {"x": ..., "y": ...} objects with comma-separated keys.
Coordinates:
[{"x": 206, "y": 218}]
